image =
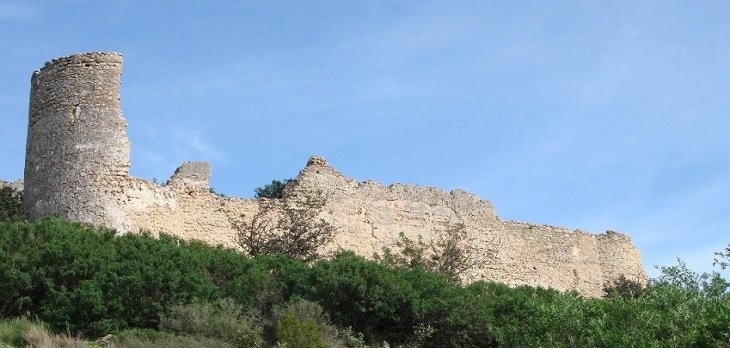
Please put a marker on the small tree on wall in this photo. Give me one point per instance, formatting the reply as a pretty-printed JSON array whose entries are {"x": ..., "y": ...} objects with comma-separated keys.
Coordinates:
[
  {"x": 273, "y": 190},
  {"x": 290, "y": 226}
]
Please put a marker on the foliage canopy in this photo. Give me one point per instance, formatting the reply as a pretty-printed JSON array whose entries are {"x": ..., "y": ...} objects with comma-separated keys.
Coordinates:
[{"x": 81, "y": 280}]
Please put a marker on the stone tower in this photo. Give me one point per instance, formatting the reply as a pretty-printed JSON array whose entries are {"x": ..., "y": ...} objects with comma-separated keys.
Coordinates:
[{"x": 77, "y": 155}]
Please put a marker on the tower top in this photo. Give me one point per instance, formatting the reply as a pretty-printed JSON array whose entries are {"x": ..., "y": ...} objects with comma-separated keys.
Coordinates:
[{"x": 83, "y": 58}]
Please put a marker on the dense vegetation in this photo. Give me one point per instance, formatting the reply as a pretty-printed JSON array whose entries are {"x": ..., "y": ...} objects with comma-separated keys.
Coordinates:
[{"x": 176, "y": 293}]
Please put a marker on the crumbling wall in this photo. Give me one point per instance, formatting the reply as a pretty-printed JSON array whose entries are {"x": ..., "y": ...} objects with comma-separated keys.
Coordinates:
[
  {"x": 369, "y": 216},
  {"x": 77, "y": 165},
  {"x": 186, "y": 207}
]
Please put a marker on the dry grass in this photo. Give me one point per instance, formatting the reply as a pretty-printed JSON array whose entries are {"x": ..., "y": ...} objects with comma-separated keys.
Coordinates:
[{"x": 22, "y": 332}]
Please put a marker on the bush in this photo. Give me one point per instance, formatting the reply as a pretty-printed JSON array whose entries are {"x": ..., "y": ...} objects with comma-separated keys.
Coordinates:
[
  {"x": 147, "y": 338},
  {"x": 401, "y": 306},
  {"x": 224, "y": 320},
  {"x": 91, "y": 282},
  {"x": 22, "y": 332},
  {"x": 302, "y": 324},
  {"x": 624, "y": 288},
  {"x": 12, "y": 332},
  {"x": 86, "y": 280}
]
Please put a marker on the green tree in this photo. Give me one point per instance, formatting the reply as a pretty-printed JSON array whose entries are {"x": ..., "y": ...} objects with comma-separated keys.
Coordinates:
[
  {"x": 11, "y": 205},
  {"x": 273, "y": 190},
  {"x": 449, "y": 254},
  {"x": 723, "y": 258},
  {"x": 291, "y": 226}
]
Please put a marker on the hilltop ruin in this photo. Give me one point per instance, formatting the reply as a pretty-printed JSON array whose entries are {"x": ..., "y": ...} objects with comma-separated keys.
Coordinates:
[{"x": 78, "y": 160}]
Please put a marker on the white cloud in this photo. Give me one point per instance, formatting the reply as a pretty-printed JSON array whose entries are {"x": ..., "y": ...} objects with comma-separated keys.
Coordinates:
[
  {"x": 158, "y": 150},
  {"x": 193, "y": 143}
]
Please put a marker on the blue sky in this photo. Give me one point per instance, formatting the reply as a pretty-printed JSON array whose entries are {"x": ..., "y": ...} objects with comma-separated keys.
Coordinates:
[{"x": 580, "y": 114}]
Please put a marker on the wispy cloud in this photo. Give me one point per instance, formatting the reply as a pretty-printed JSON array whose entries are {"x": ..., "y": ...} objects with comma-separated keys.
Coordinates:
[
  {"x": 156, "y": 151},
  {"x": 192, "y": 142}
]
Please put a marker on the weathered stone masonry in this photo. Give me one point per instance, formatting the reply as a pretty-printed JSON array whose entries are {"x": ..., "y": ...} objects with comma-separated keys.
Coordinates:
[{"x": 77, "y": 165}]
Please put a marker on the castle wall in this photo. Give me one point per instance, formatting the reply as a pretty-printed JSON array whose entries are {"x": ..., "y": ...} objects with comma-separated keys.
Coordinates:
[
  {"x": 369, "y": 216},
  {"x": 77, "y": 165},
  {"x": 185, "y": 207}
]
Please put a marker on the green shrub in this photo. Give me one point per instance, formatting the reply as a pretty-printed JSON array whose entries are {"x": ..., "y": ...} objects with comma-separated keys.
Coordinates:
[
  {"x": 351, "y": 339},
  {"x": 86, "y": 280},
  {"x": 266, "y": 282},
  {"x": 47, "y": 269},
  {"x": 624, "y": 288},
  {"x": 365, "y": 295},
  {"x": 21, "y": 332},
  {"x": 389, "y": 304},
  {"x": 302, "y": 324},
  {"x": 148, "y": 338},
  {"x": 89, "y": 281},
  {"x": 12, "y": 331},
  {"x": 224, "y": 320}
]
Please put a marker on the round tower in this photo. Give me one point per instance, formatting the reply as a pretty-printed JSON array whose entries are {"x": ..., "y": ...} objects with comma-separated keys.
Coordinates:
[{"x": 77, "y": 154}]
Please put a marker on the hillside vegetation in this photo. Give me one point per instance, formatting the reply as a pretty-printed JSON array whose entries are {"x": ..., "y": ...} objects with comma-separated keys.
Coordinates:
[
  {"x": 164, "y": 291},
  {"x": 66, "y": 285}
]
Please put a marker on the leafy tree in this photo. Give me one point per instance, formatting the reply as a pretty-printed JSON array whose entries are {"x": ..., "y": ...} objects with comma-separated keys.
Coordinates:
[
  {"x": 449, "y": 254},
  {"x": 92, "y": 281},
  {"x": 401, "y": 306},
  {"x": 723, "y": 258},
  {"x": 624, "y": 288},
  {"x": 365, "y": 295},
  {"x": 11, "y": 204},
  {"x": 289, "y": 226},
  {"x": 273, "y": 190}
]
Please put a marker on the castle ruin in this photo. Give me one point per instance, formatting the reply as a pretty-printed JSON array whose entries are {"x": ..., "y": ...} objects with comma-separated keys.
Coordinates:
[{"x": 78, "y": 160}]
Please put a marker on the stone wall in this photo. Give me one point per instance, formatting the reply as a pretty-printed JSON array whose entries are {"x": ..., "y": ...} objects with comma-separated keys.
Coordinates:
[
  {"x": 369, "y": 216},
  {"x": 77, "y": 165}
]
